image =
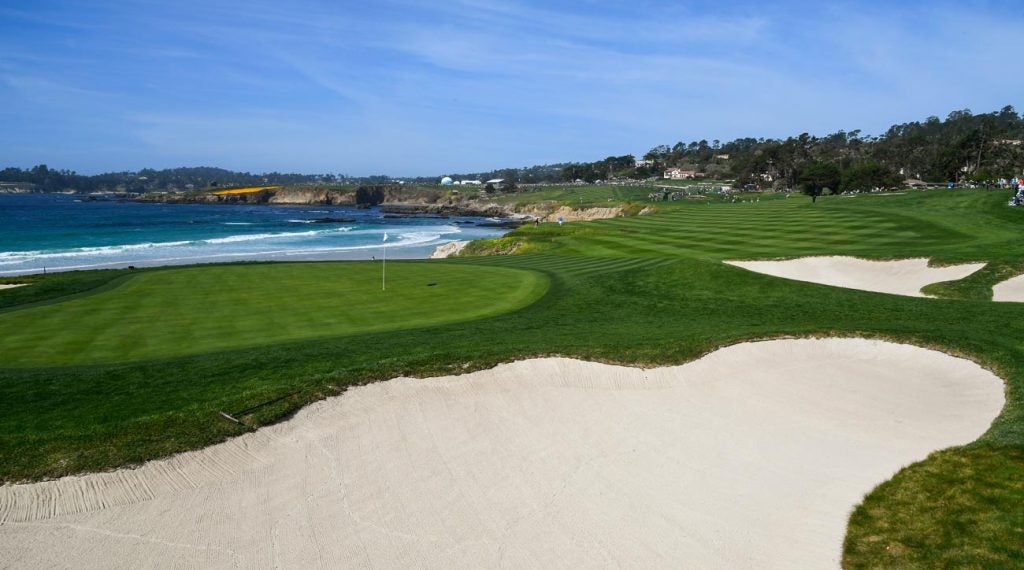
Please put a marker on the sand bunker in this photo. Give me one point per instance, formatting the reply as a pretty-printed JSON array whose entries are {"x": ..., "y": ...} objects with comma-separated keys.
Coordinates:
[
  {"x": 1010, "y": 290},
  {"x": 900, "y": 277},
  {"x": 8, "y": 286},
  {"x": 753, "y": 456}
]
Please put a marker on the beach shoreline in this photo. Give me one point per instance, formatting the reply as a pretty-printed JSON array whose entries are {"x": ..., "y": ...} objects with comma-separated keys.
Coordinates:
[{"x": 119, "y": 235}]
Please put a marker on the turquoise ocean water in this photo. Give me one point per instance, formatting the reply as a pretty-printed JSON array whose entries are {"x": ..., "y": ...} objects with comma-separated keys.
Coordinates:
[{"x": 64, "y": 232}]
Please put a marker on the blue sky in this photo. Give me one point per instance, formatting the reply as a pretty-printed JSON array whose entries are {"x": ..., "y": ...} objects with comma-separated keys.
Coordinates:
[{"x": 424, "y": 88}]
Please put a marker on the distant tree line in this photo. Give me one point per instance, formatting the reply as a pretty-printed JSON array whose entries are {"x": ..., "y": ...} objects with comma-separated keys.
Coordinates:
[
  {"x": 44, "y": 179},
  {"x": 962, "y": 148}
]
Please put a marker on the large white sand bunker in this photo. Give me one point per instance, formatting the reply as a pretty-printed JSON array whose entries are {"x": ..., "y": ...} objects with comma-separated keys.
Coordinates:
[
  {"x": 898, "y": 277},
  {"x": 753, "y": 456},
  {"x": 10, "y": 285},
  {"x": 1010, "y": 290}
]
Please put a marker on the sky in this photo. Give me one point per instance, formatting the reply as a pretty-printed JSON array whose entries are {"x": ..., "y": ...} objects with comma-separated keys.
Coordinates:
[{"x": 411, "y": 88}]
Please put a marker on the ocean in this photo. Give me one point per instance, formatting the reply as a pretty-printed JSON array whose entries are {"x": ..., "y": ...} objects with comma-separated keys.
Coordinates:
[{"x": 58, "y": 232}]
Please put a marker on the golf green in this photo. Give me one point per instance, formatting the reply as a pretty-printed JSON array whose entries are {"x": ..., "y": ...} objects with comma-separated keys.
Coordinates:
[{"x": 172, "y": 312}]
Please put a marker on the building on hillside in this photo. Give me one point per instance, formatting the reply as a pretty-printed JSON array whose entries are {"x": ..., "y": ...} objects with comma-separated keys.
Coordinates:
[
  {"x": 469, "y": 182},
  {"x": 721, "y": 157},
  {"x": 642, "y": 163},
  {"x": 496, "y": 183},
  {"x": 680, "y": 174},
  {"x": 16, "y": 187}
]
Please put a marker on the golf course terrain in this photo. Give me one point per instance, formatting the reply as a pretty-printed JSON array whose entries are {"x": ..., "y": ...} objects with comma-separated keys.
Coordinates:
[{"x": 105, "y": 369}]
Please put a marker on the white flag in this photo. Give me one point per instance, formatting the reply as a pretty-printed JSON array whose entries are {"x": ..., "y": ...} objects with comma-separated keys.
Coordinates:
[{"x": 385, "y": 236}]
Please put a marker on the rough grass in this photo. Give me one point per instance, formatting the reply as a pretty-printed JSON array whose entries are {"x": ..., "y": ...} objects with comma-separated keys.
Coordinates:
[
  {"x": 932, "y": 514},
  {"x": 643, "y": 290},
  {"x": 590, "y": 195}
]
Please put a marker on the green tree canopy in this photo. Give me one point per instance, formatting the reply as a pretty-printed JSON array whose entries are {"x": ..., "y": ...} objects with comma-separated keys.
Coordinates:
[
  {"x": 868, "y": 175},
  {"x": 815, "y": 177}
]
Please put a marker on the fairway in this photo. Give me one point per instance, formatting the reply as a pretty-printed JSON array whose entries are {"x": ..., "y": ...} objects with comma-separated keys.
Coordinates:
[{"x": 204, "y": 309}]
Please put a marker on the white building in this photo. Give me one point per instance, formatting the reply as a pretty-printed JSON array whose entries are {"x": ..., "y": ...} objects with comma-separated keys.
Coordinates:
[{"x": 680, "y": 174}]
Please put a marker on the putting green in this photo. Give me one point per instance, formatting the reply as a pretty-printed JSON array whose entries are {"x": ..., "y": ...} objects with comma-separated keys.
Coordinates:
[{"x": 208, "y": 308}]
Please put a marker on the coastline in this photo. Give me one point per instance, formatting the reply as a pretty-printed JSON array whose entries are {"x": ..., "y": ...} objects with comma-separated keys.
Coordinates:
[
  {"x": 367, "y": 254},
  {"x": 109, "y": 234}
]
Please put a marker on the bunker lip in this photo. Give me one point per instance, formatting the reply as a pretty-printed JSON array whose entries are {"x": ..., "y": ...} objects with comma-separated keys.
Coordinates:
[
  {"x": 897, "y": 277},
  {"x": 753, "y": 455}
]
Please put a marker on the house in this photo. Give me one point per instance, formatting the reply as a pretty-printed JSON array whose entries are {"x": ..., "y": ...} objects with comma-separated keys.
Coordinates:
[
  {"x": 496, "y": 183},
  {"x": 680, "y": 174},
  {"x": 642, "y": 163},
  {"x": 721, "y": 157},
  {"x": 16, "y": 187}
]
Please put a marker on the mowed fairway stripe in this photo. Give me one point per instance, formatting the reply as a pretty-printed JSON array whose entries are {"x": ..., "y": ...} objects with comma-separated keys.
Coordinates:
[
  {"x": 209, "y": 308},
  {"x": 769, "y": 229}
]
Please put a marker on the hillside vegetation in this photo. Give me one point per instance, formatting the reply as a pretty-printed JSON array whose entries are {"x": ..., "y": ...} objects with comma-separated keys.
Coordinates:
[{"x": 963, "y": 148}]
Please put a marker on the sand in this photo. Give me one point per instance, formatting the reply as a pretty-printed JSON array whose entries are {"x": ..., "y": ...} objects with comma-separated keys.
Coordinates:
[
  {"x": 449, "y": 249},
  {"x": 8, "y": 286},
  {"x": 1010, "y": 290},
  {"x": 899, "y": 277},
  {"x": 753, "y": 456}
]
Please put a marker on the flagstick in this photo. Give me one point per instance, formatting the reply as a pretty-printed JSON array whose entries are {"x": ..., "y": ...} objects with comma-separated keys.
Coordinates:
[{"x": 383, "y": 268}]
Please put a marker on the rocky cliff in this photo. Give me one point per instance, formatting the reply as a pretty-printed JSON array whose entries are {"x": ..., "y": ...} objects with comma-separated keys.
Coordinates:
[
  {"x": 397, "y": 204},
  {"x": 306, "y": 196}
]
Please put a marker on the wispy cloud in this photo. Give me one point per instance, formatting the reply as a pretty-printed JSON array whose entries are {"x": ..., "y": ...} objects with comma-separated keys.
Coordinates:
[{"x": 409, "y": 86}]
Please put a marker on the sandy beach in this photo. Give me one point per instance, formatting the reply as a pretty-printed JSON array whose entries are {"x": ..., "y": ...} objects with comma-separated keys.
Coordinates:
[
  {"x": 897, "y": 277},
  {"x": 752, "y": 456}
]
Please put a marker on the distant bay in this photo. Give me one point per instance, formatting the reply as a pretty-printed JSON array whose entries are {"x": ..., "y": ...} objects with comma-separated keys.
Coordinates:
[{"x": 60, "y": 232}]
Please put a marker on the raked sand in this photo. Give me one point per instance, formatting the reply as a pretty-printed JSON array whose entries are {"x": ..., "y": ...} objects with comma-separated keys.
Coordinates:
[
  {"x": 1010, "y": 290},
  {"x": 8, "y": 286},
  {"x": 752, "y": 457},
  {"x": 898, "y": 277}
]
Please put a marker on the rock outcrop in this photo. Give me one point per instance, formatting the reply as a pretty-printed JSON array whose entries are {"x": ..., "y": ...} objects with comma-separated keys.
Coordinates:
[{"x": 448, "y": 249}]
